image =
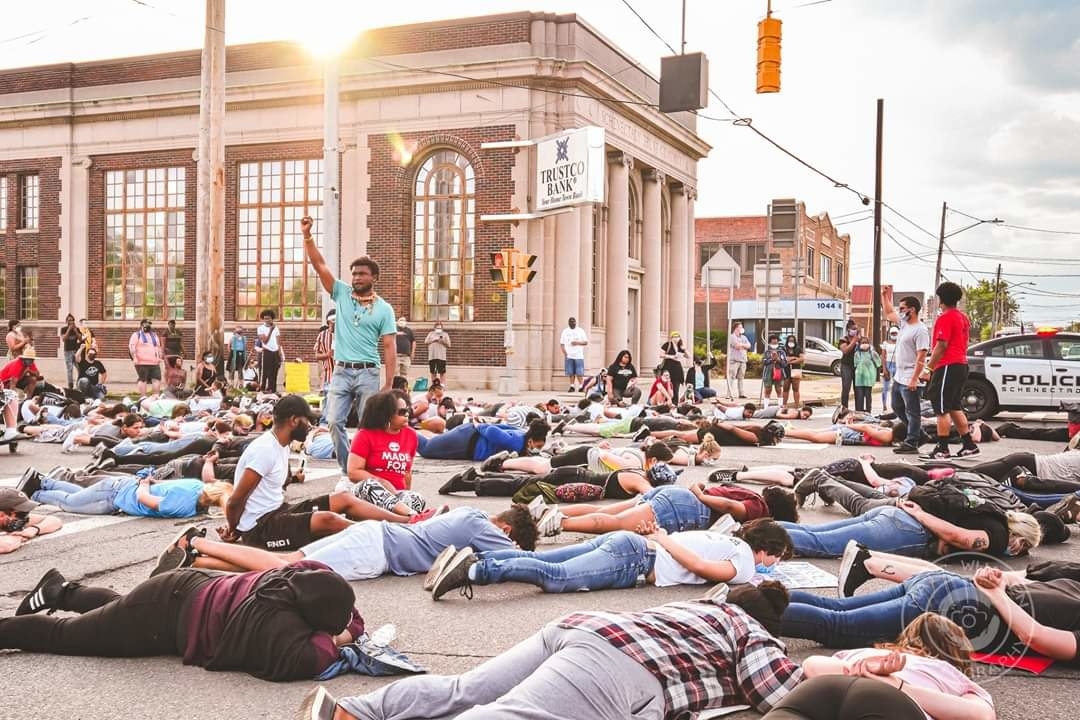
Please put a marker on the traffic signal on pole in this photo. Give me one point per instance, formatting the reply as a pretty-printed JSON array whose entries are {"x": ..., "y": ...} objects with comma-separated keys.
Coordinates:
[
  {"x": 523, "y": 263},
  {"x": 768, "y": 55},
  {"x": 501, "y": 268}
]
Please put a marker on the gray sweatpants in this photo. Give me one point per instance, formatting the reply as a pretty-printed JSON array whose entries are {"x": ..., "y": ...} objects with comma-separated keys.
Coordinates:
[
  {"x": 555, "y": 674},
  {"x": 856, "y": 498}
]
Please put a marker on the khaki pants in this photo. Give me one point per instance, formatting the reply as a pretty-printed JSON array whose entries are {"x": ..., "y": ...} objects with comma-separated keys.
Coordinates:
[
  {"x": 404, "y": 364},
  {"x": 737, "y": 371}
]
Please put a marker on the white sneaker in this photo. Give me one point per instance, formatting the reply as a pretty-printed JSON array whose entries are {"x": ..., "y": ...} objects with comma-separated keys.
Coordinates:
[
  {"x": 537, "y": 507},
  {"x": 550, "y": 524},
  {"x": 10, "y": 433}
]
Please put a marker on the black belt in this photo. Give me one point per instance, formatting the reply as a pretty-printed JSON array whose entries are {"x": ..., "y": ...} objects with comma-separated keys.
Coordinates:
[{"x": 355, "y": 365}]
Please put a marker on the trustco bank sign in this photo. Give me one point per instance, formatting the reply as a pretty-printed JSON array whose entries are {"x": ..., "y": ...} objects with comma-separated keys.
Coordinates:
[{"x": 570, "y": 168}]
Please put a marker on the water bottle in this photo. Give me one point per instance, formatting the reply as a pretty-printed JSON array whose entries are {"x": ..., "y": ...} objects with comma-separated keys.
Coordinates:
[{"x": 384, "y": 635}]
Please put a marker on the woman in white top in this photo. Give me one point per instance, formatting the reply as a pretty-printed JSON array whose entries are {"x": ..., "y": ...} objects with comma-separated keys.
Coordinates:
[{"x": 930, "y": 663}]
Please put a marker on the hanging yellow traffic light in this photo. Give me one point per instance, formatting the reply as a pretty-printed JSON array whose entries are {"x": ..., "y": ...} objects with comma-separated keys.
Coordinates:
[{"x": 768, "y": 55}]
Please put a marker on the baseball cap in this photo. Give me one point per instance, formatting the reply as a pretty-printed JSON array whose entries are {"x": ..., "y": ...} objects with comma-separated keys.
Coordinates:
[
  {"x": 293, "y": 406},
  {"x": 15, "y": 501},
  {"x": 1055, "y": 531}
]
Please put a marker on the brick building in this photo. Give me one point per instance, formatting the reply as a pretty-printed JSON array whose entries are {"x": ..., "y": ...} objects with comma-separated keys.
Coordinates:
[
  {"x": 862, "y": 309},
  {"x": 98, "y": 190},
  {"x": 824, "y": 296}
]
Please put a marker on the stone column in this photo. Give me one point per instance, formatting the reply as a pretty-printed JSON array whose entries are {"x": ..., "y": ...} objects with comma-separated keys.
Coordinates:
[
  {"x": 74, "y": 266},
  {"x": 585, "y": 281},
  {"x": 567, "y": 256},
  {"x": 617, "y": 257},
  {"x": 691, "y": 260},
  {"x": 650, "y": 259},
  {"x": 680, "y": 262}
]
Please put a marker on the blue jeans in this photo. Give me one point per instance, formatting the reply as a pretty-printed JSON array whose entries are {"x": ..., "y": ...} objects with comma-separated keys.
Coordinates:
[
  {"x": 886, "y": 385},
  {"x": 613, "y": 560},
  {"x": 908, "y": 405},
  {"x": 348, "y": 387},
  {"x": 887, "y": 529},
  {"x": 129, "y": 447},
  {"x": 704, "y": 392},
  {"x": 879, "y": 616},
  {"x": 677, "y": 509},
  {"x": 69, "y": 366},
  {"x": 1043, "y": 500},
  {"x": 847, "y": 379},
  {"x": 450, "y": 445},
  {"x": 69, "y": 497}
]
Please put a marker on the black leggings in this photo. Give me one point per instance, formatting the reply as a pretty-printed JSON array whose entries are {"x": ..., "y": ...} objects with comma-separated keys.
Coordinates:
[
  {"x": 840, "y": 697},
  {"x": 198, "y": 446},
  {"x": 142, "y": 623},
  {"x": 1016, "y": 432},
  {"x": 851, "y": 469},
  {"x": 578, "y": 455},
  {"x": 999, "y": 469}
]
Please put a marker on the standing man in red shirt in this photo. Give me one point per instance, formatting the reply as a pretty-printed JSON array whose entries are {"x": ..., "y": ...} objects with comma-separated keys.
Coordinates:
[{"x": 948, "y": 363}]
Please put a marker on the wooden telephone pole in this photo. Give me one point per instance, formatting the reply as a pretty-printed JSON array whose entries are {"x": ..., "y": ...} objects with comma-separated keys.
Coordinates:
[{"x": 210, "y": 216}]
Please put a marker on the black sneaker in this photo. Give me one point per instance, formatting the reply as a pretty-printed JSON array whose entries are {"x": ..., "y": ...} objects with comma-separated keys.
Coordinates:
[
  {"x": 438, "y": 566},
  {"x": 464, "y": 481},
  {"x": 722, "y": 476},
  {"x": 572, "y": 389},
  {"x": 30, "y": 482},
  {"x": 175, "y": 557},
  {"x": 808, "y": 485},
  {"x": 836, "y": 415},
  {"x": 45, "y": 595},
  {"x": 940, "y": 453},
  {"x": 494, "y": 463},
  {"x": 853, "y": 573},
  {"x": 905, "y": 448},
  {"x": 968, "y": 451},
  {"x": 558, "y": 429},
  {"x": 455, "y": 575},
  {"x": 642, "y": 433},
  {"x": 318, "y": 705}
]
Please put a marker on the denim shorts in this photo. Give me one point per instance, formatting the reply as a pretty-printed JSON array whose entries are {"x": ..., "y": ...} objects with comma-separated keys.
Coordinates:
[
  {"x": 848, "y": 435},
  {"x": 677, "y": 509}
]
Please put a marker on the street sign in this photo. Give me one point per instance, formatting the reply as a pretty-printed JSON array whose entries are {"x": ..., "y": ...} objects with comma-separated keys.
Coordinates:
[{"x": 783, "y": 219}]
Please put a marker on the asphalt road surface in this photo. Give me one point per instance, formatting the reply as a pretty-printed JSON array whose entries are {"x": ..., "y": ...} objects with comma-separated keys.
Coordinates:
[{"x": 450, "y": 636}]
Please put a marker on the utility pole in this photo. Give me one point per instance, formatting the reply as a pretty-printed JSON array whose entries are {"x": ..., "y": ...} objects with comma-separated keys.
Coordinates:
[
  {"x": 210, "y": 215},
  {"x": 999, "y": 305},
  {"x": 937, "y": 269},
  {"x": 876, "y": 332}
]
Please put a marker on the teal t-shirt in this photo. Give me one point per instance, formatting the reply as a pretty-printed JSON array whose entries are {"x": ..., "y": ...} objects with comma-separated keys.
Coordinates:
[
  {"x": 866, "y": 368},
  {"x": 358, "y": 328},
  {"x": 179, "y": 499}
]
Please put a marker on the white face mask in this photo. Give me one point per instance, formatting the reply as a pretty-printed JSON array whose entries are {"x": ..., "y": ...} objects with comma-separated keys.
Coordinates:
[
  {"x": 773, "y": 347},
  {"x": 864, "y": 348}
]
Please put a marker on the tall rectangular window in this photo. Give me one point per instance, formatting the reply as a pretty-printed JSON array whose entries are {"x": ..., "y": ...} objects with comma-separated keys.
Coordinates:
[
  {"x": 597, "y": 263},
  {"x": 809, "y": 262},
  {"x": 28, "y": 292},
  {"x": 705, "y": 253},
  {"x": 3, "y": 203},
  {"x": 29, "y": 201},
  {"x": 444, "y": 240},
  {"x": 144, "y": 244},
  {"x": 272, "y": 270},
  {"x": 839, "y": 273},
  {"x": 826, "y": 270},
  {"x": 3, "y": 291},
  {"x": 755, "y": 253}
]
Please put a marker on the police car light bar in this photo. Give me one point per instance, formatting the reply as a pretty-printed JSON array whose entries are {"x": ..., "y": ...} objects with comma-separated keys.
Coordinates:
[{"x": 1047, "y": 331}]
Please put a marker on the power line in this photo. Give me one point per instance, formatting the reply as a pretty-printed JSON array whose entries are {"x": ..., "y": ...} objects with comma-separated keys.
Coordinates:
[{"x": 1041, "y": 230}]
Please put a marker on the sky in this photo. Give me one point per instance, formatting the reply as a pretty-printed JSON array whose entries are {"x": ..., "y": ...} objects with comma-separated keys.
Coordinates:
[{"x": 981, "y": 97}]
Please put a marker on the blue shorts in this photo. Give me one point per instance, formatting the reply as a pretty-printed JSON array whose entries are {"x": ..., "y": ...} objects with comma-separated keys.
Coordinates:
[
  {"x": 574, "y": 368},
  {"x": 677, "y": 509}
]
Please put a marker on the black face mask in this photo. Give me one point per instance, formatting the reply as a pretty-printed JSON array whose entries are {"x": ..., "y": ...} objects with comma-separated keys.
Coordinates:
[
  {"x": 18, "y": 522},
  {"x": 299, "y": 433}
]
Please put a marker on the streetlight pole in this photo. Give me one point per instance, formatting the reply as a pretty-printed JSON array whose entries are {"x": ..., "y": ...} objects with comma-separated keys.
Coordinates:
[
  {"x": 942, "y": 237},
  {"x": 331, "y": 174}
]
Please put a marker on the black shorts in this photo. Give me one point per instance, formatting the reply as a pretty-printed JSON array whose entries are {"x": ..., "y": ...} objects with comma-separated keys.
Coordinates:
[
  {"x": 946, "y": 388},
  {"x": 288, "y": 527},
  {"x": 148, "y": 373},
  {"x": 436, "y": 367}
]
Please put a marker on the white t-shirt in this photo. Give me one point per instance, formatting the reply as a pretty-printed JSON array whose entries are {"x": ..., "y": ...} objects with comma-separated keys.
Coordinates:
[
  {"x": 710, "y": 546},
  {"x": 913, "y": 338},
  {"x": 574, "y": 352},
  {"x": 269, "y": 338},
  {"x": 890, "y": 351},
  {"x": 731, "y": 413},
  {"x": 1059, "y": 466},
  {"x": 266, "y": 456}
]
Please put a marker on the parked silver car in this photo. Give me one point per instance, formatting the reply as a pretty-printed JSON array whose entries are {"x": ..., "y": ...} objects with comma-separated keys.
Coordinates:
[{"x": 821, "y": 355}]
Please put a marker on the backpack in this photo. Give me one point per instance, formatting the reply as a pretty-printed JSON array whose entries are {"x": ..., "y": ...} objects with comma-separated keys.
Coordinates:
[
  {"x": 421, "y": 385},
  {"x": 963, "y": 494}
]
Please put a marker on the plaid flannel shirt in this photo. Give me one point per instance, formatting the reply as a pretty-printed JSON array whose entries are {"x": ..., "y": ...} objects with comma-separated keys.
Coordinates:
[{"x": 705, "y": 656}]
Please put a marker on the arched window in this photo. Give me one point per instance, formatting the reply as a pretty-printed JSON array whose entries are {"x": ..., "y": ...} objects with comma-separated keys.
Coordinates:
[
  {"x": 444, "y": 238},
  {"x": 635, "y": 228}
]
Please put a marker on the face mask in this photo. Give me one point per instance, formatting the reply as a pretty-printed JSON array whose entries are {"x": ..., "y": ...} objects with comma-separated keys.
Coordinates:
[
  {"x": 209, "y": 359},
  {"x": 764, "y": 569},
  {"x": 864, "y": 348},
  {"x": 852, "y": 333},
  {"x": 299, "y": 433},
  {"x": 906, "y": 314},
  {"x": 773, "y": 346},
  {"x": 791, "y": 343}
]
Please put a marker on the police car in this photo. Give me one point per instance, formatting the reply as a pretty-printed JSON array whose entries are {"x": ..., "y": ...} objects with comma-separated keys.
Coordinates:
[{"x": 1022, "y": 372}]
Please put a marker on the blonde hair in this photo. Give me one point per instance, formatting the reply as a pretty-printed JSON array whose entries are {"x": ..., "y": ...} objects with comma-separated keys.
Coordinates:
[
  {"x": 180, "y": 410},
  {"x": 1024, "y": 526},
  {"x": 708, "y": 448},
  {"x": 215, "y": 493},
  {"x": 934, "y": 636}
]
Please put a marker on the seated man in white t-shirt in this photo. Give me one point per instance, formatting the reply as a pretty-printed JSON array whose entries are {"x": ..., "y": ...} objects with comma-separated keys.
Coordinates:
[
  {"x": 369, "y": 549},
  {"x": 257, "y": 513},
  {"x": 624, "y": 559}
]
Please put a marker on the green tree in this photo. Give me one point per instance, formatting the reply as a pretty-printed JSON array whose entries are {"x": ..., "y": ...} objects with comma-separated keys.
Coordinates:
[{"x": 979, "y": 306}]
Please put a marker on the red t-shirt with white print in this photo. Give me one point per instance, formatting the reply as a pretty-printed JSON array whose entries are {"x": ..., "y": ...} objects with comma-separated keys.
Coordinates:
[{"x": 387, "y": 455}]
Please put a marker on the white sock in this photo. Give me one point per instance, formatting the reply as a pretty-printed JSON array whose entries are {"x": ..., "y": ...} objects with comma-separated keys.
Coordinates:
[
  {"x": 472, "y": 572},
  {"x": 10, "y": 433}
]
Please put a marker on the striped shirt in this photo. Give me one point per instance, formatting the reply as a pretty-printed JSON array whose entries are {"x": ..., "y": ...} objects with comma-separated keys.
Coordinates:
[
  {"x": 705, "y": 656},
  {"x": 324, "y": 345}
]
